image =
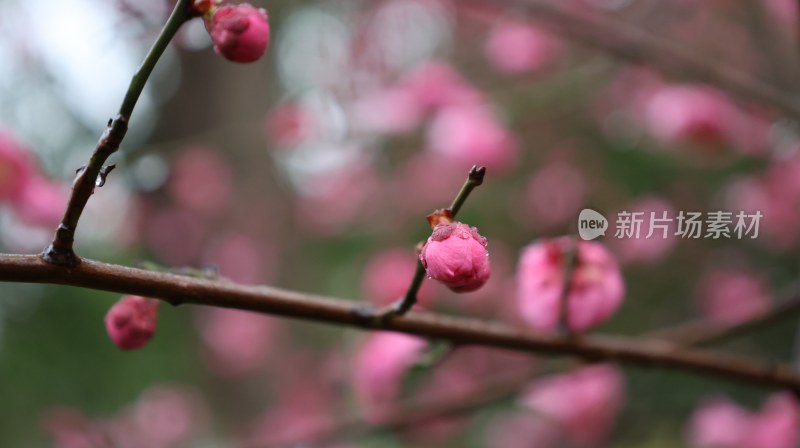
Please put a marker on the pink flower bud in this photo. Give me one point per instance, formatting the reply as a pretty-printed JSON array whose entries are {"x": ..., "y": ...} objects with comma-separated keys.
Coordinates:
[
  {"x": 131, "y": 322},
  {"x": 240, "y": 32},
  {"x": 455, "y": 254},
  {"x": 595, "y": 294}
]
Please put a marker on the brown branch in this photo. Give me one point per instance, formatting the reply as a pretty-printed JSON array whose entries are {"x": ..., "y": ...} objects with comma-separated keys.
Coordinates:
[
  {"x": 413, "y": 412},
  {"x": 504, "y": 386},
  {"x": 60, "y": 251},
  {"x": 634, "y": 44},
  {"x": 178, "y": 290},
  {"x": 703, "y": 332}
]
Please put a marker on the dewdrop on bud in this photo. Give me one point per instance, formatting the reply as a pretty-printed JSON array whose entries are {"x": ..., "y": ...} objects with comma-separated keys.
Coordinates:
[
  {"x": 455, "y": 254},
  {"x": 240, "y": 32},
  {"x": 131, "y": 322}
]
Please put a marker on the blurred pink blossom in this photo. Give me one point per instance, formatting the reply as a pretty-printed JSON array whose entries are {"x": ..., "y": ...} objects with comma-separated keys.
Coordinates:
[
  {"x": 688, "y": 114},
  {"x": 455, "y": 254},
  {"x": 42, "y": 202},
  {"x": 201, "y": 181},
  {"x": 779, "y": 226},
  {"x": 165, "y": 416},
  {"x": 584, "y": 402},
  {"x": 169, "y": 415},
  {"x": 465, "y": 370},
  {"x": 521, "y": 430},
  {"x": 241, "y": 258},
  {"x": 290, "y": 124},
  {"x": 519, "y": 48},
  {"x": 236, "y": 343},
  {"x": 175, "y": 235},
  {"x": 775, "y": 194},
  {"x": 784, "y": 10},
  {"x": 437, "y": 84},
  {"x": 388, "y": 274},
  {"x": 462, "y": 372},
  {"x": 777, "y": 425},
  {"x": 656, "y": 246},
  {"x": 303, "y": 407},
  {"x": 719, "y": 423},
  {"x": 596, "y": 291},
  {"x": 70, "y": 428},
  {"x": 391, "y": 110},
  {"x": 554, "y": 195},
  {"x": 336, "y": 200},
  {"x": 380, "y": 366},
  {"x": 426, "y": 182},
  {"x": 472, "y": 135},
  {"x": 17, "y": 168},
  {"x": 732, "y": 295}
]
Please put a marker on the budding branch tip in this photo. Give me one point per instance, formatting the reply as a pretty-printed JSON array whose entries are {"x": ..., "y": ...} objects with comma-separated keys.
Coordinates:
[
  {"x": 476, "y": 174},
  {"x": 104, "y": 172}
]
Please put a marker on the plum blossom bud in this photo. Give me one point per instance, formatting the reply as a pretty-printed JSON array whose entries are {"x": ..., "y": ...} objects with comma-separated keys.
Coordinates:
[
  {"x": 455, "y": 254},
  {"x": 240, "y": 32},
  {"x": 596, "y": 291},
  {"x": 131, "y": 322}
]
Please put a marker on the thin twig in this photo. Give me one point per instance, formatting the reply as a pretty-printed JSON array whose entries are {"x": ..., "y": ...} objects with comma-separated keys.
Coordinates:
[
  {"x": 570, "y": 262},
  {"x": 504, "y": 386},
  {"x": 704, "y": 332},
  {"x": 413, "y": 412},
  {"x": 61, "y": 251},
  {"x": 178, "y": 290},
  {"x": 404, "y": 305}
]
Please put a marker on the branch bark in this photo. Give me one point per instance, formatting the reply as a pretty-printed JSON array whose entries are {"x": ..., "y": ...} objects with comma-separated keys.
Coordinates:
[
  {"x": 702, "y": 332},
  {"x": 60, "y": 251},
  {"x": 178, "y": 290}
]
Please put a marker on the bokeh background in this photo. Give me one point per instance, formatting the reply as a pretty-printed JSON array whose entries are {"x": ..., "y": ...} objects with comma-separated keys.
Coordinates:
[{"x": 314, "y": 169}]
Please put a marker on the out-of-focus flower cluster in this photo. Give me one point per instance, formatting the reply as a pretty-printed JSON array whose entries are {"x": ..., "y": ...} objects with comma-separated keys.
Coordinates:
[
  {"x": 370, "y": 120},
  {"x": 31, "y": 204}
]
